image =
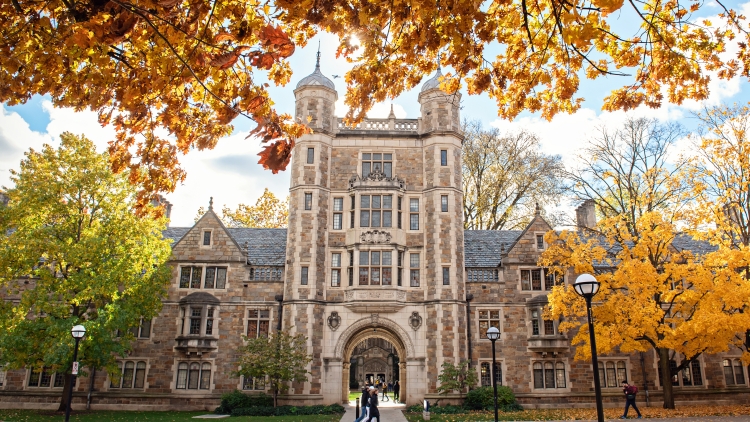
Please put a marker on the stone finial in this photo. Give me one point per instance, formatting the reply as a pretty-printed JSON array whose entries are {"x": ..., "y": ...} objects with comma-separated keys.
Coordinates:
[
  {"x": 392, "y": 115},
  {"x": 538, "y": 209},
  {"x": 211, "y": 203},
  {"x": 317, "y": 62}
]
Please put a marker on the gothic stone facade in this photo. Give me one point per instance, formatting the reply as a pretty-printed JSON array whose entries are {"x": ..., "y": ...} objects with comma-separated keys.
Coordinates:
[{"x": 376, "y": 271}]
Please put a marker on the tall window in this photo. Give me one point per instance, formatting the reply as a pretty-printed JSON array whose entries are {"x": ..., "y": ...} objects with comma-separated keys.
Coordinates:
[
  {"x": 444, "y": 203},
  {"x": 486, "y": 375},
  {"x": 398, "y": 218},
  {"x": 377, "y": 162},
  {"x": 143, "y": 330},
  {"x": 257, "y": 323},
  {"x": 400, "y": 266},
  {"x": 197, "y": 320},
  {"x": 414, "y": 270},
  {"x": 541, "y": 326},
  {"x": 612, "y": 373},
  {"x": 190, "y": 277},
  {"x": 250, "y": 383},
  {"x": 351, "y": 213},
  {"x": 338, "y": 216},
  {"x": 194, "y": 376},
  {"x": 216, "y": 278},
  {"x": 734, "y": 372},
  {"x": 375, "y": 268},
  {"x": 443, "y": 157},
  {"x": 132, "y": 375},
  {"x": 413, "y": 213},
  {"x": 310, "y": 155},
  {"x": 535, "y": 322},
  {"x": 303, "y": 276},
  {"x": 688, "y": 377},
  {"x": 549, "y": 375},
  {"x": 207, "y": 237},
  {"x": 308, "y": 201},
  {"x": 540, "y": 241},
  {"x": 2, "y": 377},
  {"x": 375, "y": 210},
  {"x": 350, "y": 269},
  {"x": 446, "y": 276},
  {"x": 45, "y": 378},
  {"x": 487, "y": 319},
  {"x": 335, "y": 270}
]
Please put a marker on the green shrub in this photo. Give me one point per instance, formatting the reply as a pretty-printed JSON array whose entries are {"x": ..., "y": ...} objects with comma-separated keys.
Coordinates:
[
  {"x": 331, "y": 409},
  {"x": 448, "y": 410},
  {"x": 415, "y": 408},
  {"x": 237, "y": 399},
  {"x": 483, "y": 398}
]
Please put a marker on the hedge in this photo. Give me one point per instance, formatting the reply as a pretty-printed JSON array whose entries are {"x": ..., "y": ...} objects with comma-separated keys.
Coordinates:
[
  {"x": 331, "y": 409},
  {"x": 237, "y": 399}
]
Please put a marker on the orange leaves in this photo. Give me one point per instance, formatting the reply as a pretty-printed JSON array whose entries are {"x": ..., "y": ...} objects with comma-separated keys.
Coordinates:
[
  {"x": 275, "y": 157},
  {"x": 271, "y": 130},
  {"x": 277, "y": 45},
  {"x": 227, "y": 60}
]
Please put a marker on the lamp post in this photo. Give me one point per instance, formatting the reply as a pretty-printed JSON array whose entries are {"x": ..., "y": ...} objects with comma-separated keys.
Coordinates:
[
  {"x": 587, "y": 286},
  {"x": 493, "y": 334},
  {"x": 77, "y": 332}
]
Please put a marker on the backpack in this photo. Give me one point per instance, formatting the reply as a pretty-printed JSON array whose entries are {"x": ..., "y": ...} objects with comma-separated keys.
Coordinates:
[{"x": 632, "y": 391}]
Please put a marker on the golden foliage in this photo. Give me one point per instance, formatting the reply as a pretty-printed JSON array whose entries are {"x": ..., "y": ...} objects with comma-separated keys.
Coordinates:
[
  {"x": 189, "y": 66},
  {"x": 268, "y": 212}
]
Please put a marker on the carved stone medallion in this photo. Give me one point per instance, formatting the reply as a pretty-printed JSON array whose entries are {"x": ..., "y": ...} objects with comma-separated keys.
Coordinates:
[
  {"x": 415, "y": 321},
  {"x": 334, "y": 321},
  {"x": 375, "y": 236}
]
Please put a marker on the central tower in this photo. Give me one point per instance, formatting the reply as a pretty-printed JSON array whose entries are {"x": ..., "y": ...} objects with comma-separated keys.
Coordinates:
[{"x": 375, "y": 242}]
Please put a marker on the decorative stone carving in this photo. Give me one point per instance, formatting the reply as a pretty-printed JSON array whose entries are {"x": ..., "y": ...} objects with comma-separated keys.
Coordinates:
[
  {"x": 382, "y": 294},
  {"x": 377, "y": 178},
  {"x": 349, "y": 295},
  {"x": 375, "y": 236},
  {"x": 374, "y": 319},
  {"x": 334, "y": 321},
  {"x": 415, "y": 320}
]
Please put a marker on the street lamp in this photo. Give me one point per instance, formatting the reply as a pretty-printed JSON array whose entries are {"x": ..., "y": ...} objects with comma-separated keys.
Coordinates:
[
  {"x": 587, "y": 286},
  {"x": 493, "y": 334},
  {"x": 77, "y": 332}
]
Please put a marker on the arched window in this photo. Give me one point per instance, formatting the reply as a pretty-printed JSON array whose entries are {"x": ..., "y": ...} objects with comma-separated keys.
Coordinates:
[
  {"x": 549, "y": 375},
  {"x": 193, "y": 375},
  {"x": 485, "y": 375},
  {"x": 621, "y": 373},
  {"x": 140, "y": 374},
  {"x": 205, "y": 376},
  {"x": 611, "y": 375},
  {"x": 538, "y": 375},
  {"x": 182, "y": 373},
  {"x": 560, "y": 372},
  {"x": 127, "y": 375}
]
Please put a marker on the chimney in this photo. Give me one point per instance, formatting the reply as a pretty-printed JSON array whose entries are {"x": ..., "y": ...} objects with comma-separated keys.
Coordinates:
[
  {"x": 162, "y": 201},
  {"x": 586, "y": 214}
]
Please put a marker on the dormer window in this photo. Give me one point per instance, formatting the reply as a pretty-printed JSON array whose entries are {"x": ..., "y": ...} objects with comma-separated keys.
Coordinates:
[
  {"x": 540, "y": 242},
  {"x": 206, "y": 237}
]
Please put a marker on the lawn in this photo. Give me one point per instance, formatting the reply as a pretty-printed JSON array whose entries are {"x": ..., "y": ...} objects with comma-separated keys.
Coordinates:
[
  {"x": 588, "y": 414},
  {"x": 117, "y": 416}
]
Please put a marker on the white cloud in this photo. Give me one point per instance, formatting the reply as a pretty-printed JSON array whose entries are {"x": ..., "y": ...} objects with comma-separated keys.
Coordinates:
[{"x": 16, "y": 138}]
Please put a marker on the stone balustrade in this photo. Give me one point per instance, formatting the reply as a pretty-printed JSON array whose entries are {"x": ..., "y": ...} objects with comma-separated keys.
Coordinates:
[{"x": 402, "y": 125}]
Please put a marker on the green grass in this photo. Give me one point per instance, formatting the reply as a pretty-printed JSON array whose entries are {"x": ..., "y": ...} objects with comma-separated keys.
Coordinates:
[{"x": 7, "y": 415}]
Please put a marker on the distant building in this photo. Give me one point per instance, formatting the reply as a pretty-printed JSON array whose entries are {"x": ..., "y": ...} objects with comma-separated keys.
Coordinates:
[{"x": 376, "y": 270}]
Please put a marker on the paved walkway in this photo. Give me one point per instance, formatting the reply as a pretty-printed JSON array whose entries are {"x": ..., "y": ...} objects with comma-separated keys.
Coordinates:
[{"x": 389, "y": 412}]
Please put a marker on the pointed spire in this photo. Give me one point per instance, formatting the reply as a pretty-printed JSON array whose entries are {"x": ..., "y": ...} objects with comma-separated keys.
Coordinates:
[
  {"x": 392, "y": 115},
  {"x": 211, "y": 203},
  {"x": 317, "y": 62}
]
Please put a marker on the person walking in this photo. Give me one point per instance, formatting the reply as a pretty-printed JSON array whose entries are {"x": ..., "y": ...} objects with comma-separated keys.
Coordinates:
[
  {"x": 373, "y": 413},
  {"x": 385, "y": 391},
  {"x": 630, "y": 391},
  {"x": 396, "y": 389},
  {"x": 363, "y": 404}
]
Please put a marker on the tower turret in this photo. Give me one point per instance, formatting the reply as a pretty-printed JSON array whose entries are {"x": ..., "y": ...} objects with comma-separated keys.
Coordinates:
[
  {"x": 439, "y": 110},
  {"x": 315, "y": 97}
]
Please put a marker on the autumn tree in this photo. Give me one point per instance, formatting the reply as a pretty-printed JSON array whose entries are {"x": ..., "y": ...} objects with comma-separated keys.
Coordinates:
[
  {"x": 268, "y": 212},
  {"x": 722, "y": 169},
  {"x": 632, "y": 170},
  {"x": 280, "y": 358},
  {"x": 191, "y": 67},
  {"x": 73, "y": 253},
  {"x": 505, "y": 176}
]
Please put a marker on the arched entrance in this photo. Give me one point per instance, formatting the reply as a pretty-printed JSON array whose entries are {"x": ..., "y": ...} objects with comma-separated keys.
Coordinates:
[
  {"x": 370, "y": 338},
  {"x": 373, "y": 359}
]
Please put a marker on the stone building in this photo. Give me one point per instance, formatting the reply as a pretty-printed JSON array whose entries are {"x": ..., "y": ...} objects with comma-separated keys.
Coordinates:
[{"x": 376, "y": 270}]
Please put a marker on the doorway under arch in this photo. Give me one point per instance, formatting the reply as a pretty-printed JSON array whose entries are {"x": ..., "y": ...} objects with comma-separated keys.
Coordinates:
[{"x": 373, "y": 337}]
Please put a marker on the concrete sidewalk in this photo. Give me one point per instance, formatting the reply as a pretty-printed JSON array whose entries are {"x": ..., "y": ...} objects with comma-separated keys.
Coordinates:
[{"x": 389, "y": 412}]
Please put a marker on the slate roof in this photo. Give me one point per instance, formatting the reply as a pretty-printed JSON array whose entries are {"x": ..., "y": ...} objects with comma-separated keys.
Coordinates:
[{"x": 482, "y": 247}]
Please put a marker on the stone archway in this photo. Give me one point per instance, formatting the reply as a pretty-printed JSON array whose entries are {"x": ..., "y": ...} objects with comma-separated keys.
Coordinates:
[{"x": 374, "y": 327}]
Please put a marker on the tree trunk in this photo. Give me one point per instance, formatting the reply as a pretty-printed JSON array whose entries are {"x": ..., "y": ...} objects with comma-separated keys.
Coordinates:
[
  {"x": 66, "y": 391},
  {"x": 666, "y": 378},
  {"x": 275, "y": 397}
]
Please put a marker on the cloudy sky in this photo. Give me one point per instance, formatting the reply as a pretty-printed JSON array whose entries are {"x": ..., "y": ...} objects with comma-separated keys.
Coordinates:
[{"x": 230, "y": 172}]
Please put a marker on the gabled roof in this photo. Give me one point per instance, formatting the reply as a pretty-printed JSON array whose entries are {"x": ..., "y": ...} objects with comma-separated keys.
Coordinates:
[
  {"x": 265, "y": 246},
  {"x": 175, "y": 233},
  {"x": 482, "y": 247}
]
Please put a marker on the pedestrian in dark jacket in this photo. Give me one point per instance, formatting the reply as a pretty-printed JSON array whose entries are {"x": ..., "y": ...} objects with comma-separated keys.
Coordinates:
[
  {"x": 372, "y": 411},
  {"x": 396, "y": 389},
  {"x": 630, "y": 391},
  {"x": 363, "y": 404}
]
